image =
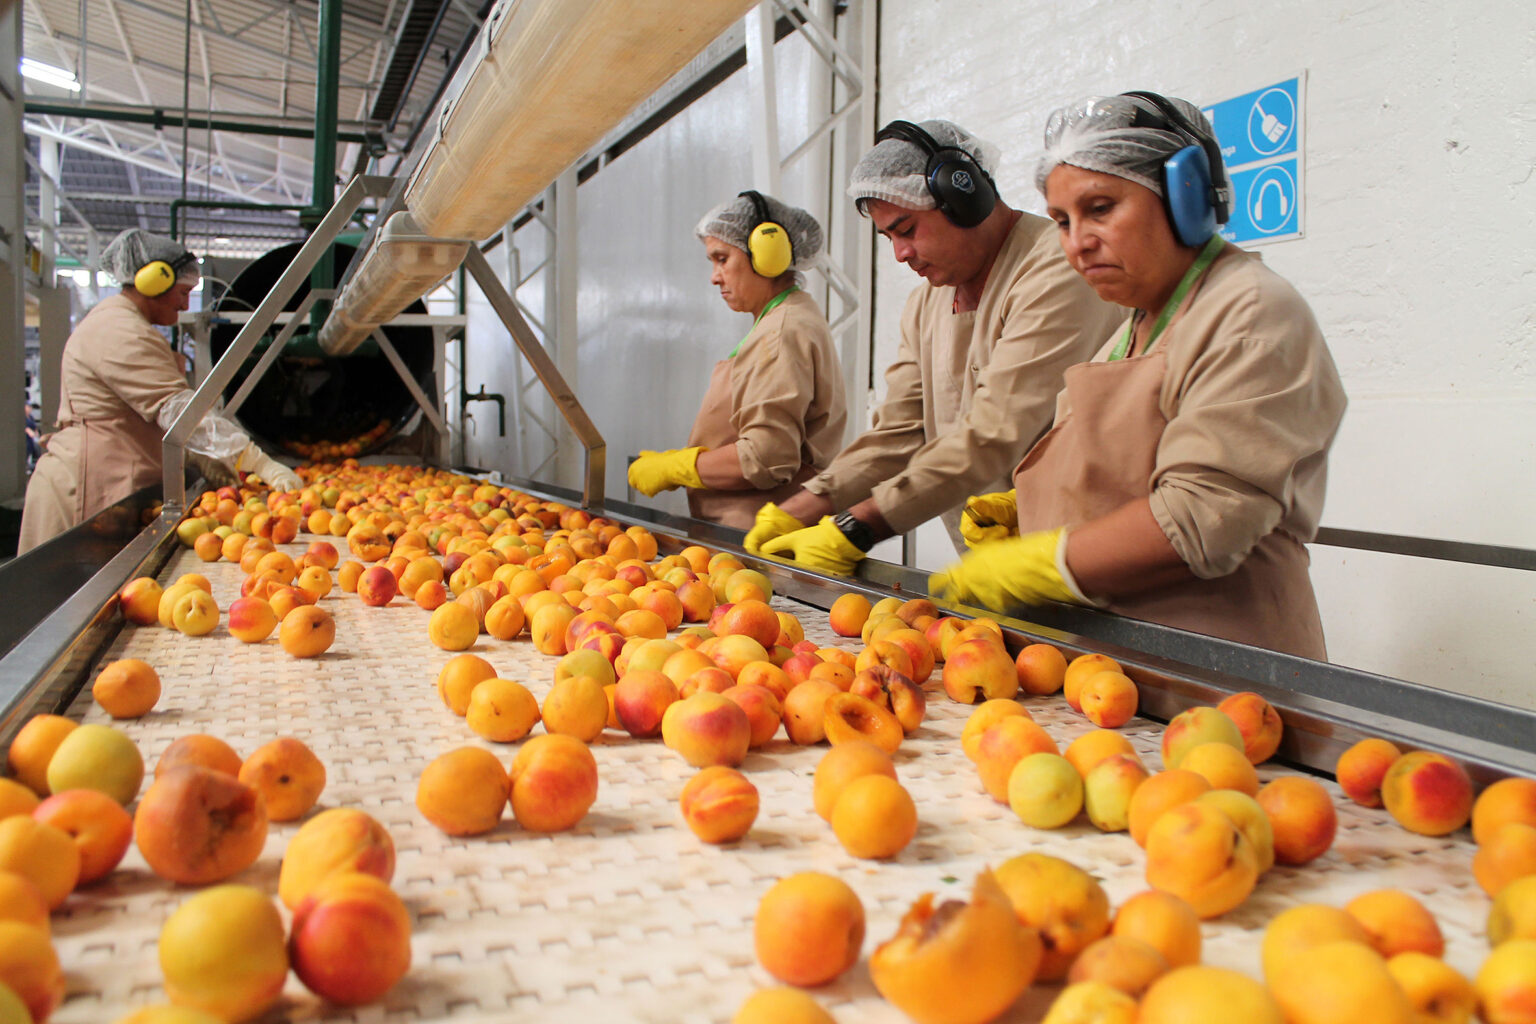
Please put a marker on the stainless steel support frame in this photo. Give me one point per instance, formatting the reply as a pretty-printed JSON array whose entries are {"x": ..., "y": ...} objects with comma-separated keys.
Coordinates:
[
  {"x": 274, "y": 350},
  {"x": 565, "y": 399},
  {"x": 318, "y": 243},
  {"x": 428, "y": 407}
]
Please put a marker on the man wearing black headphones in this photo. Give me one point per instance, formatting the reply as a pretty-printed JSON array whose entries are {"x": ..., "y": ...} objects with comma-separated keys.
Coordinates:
[
  {"x": 984, "y": 342},
  {"x": 120, "y": 388}
]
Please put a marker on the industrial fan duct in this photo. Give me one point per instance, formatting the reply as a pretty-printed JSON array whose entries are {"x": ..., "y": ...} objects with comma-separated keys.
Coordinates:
[{"x": 311, "y": 404}]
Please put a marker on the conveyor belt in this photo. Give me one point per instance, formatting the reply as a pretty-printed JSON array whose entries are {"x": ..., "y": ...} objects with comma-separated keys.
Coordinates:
[{"x": 628, "y": 917}]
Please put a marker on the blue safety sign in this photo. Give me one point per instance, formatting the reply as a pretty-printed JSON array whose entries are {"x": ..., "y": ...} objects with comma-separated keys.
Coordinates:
[{"x": 1260, "y": 134}]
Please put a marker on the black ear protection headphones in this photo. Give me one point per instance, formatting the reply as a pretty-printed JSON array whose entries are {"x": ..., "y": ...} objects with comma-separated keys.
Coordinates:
[
  {"x": 1196, "y": 193},
  {"x": 965, "y": 193},
  {"x": 768, "y": 243},
  {"x": 156, "y": 277}
]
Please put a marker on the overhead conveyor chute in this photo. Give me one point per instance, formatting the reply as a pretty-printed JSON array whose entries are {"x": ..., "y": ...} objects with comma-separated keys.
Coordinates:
[{"x": 547, "y": 80}]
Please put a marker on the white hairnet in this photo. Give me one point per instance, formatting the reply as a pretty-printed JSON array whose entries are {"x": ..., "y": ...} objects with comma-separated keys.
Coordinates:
[
  {"x": 733, "y": 221},
  {"x": 131, "y": 250},
  {"x": 1097, "y": 134},
  {"x": 896, "y": 170}
]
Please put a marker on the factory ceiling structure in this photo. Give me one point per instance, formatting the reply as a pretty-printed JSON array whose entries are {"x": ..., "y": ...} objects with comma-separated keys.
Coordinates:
[{"x": 138, "y": 110}]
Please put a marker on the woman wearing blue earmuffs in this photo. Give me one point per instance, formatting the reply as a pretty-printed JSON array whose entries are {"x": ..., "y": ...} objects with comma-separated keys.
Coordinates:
[
  {"x": 1185, "y": 470},
  {"x": 773, "y": 414}
]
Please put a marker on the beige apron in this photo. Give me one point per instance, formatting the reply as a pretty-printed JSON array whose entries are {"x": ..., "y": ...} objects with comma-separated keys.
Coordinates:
[
  {"x": 1100, "y": 455},
  {"x": 712, "y": 429}
]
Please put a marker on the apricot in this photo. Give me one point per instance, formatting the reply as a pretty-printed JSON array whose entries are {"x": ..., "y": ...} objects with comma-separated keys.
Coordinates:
[
  {"x": 504, "y": 619},
  {"x": 15, "y": 798},
  {"x": 1042, "y": 669},
  {"x": 1427, "y": 793},
  {"x": 195, "y": 825},
  {"x": 781, "y": 1005},
  {"x": 976, "y": 670},
  {"x": 288, "y": 775},
  {"x": 1091, "y": 1002},
  {"x": 1513, "y": 914},
  {"x": 847, "y": 716},
  {"x": 1259, "y": 723},
  {"x": 745, "y": 618},
  {"x": 222, "y": 952},
  {"x": 457, "y": 680},
  {"x": 1506, "y": 983},
  {"x": 1157, "y": 794},
  {"x": 1003, "y": 746},
  {"x": 708, "y": 729},
  {"x": 874, "y": 817},
  {"x": 1194, "y": 726},
  {"x": 199, "y": 749},
  {"x": 1222, "y": 766},
  {"x": 1207, "y": 995},
  {"x": 1108, "y": 699},
  {"x": 719, "y": 804},
  {"x": 351, "y": 939},
  {"x": 554, "y": 782},
  {"x": 127, "y": 688},
  {"x": 1508, "y": 854},
  {"x": 1302, "y": 816},
  {"x": 1107, "y": 791},
  {"x": 1250, "y": 820},
  {"x": 453, "y": 627},
  {"x": 33, "y": 748},
  {"x": 1092, "y": 747},
  {"x": 463, "y": 792},
  {"x": 1195, "y": 852},
  {"x": 307, "y": 632},
  {"x": 97, "y": 757},
  {"x": 958, "y": 963},
  {"x": 1045, "y": 791},
  {"x": 764, "y": 713},
  {"x": 805, "y": 711},
  {"x": 642, "y": 698},
  {"x": 503, "y": 711},
  {"x": 1078, "y": 671},
  {"x": 1163, "y": 921},
  {"x": 30, "y": 969},
  {"x": 843, "y": 764},
  {"x": 1437, "y": 992},
  {"x": 576, "y": 706},
  {"x": 1396, "y": 923},
  {"x": 342, "y": 839},
  {"x": 1123, "y": 963},
  {"x": 1061, "y": 901},
  {"x": 99, "y": 826},
  {"x": 21, "y": 901},
  {"x": 808, "y": 929},
  {"x": 1304, "y": 927},
  {"x": 987, "y": 714},
  {"x": 1361, "y": 768},
  {"x": 1339, "y": 983},
  {"x": 1508, "y": 800},
  {"x": 42, "y": 854}
]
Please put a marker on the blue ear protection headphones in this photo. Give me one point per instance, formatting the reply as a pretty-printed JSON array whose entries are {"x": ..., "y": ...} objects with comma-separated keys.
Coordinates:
[
  {"x": 963, "y": 191},
  {"x": 768, "y": 243},
  {"x": 1196, "y": 193},
  {"x": 156, "y": 277}
]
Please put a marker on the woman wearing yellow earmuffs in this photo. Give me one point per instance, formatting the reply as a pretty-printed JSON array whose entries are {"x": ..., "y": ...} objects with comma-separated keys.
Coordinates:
[
  {"x": 120, "y": 388},
  {"x": 773, "y": 414}
]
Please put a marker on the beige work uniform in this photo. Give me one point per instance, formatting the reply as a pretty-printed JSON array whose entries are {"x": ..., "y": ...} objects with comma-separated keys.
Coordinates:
[
  {"x": 1224, "y": 426},
  {"x": 117, "y": 372},
  {"x": 969, "y": 392},
  {"x": 780, "y": 401}
]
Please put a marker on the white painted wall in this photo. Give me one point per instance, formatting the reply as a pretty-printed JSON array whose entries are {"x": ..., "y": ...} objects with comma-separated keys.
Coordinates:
[{"x": 1419, "y": 260}]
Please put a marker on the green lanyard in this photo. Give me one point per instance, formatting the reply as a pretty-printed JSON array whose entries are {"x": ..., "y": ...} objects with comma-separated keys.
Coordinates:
[
  {"x": 772, "y": 303},
  {"x": 1206, "y": 257}
]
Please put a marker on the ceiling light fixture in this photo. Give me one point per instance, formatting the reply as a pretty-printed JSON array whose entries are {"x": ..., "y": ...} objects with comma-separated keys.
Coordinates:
[{"x": 49, "y": 75}]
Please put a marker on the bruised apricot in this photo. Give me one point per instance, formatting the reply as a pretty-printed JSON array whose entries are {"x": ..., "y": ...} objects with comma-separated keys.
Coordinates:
[
  {"x": 847, "y": 716},
  {"x": 957, "y": 963}
]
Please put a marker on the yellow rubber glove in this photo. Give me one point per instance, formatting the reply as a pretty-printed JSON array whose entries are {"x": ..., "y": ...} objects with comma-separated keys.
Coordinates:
[
  {"x": 1004, "y": 574},
  {"x": 821, "y": 547},
  {"x": 989, "y": 517},
  {"x": 654, "y": 472},
  {"x": 771, "y": 522}
]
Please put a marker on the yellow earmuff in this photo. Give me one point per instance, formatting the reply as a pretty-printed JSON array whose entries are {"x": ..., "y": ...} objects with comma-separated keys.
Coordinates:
[
  {"x": 156, "y": 277},
  {"x": 768, "y": 244}
]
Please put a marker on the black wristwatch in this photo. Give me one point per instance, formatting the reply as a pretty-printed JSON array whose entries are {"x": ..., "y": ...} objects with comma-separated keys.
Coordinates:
[{"x": 859, "y": 533}]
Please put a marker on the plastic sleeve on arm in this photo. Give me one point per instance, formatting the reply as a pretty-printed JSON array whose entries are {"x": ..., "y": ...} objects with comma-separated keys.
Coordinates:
[{"x": 216, "y": 437}]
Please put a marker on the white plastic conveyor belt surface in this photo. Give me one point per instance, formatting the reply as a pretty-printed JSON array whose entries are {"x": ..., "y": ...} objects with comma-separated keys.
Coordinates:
[{"x": 628, "y": 916}]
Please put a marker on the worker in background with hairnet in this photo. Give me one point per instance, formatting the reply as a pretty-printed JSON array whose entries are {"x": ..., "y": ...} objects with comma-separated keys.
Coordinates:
[
  {"x": 773, "y": 414},
  {"x": 121, "y": 386},
  {"x": 1186, "y": 467},
  {"x": 984, "y": 341}
]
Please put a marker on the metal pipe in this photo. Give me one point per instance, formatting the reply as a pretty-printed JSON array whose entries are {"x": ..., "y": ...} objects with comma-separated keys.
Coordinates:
[
  {"x": 324, "y": 192},
  {"x": 225, "y": 204},
  {"x": 158, "y": 119}
]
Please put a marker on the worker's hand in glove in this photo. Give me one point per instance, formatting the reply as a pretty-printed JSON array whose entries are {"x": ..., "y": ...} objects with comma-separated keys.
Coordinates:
[
  {"x": 989, "y": 517},
  {"x": 771, "y": 522},
  {"x": 821, "y": 547},
  {"x": 654, "y": 472},
  {"x": 1003, "y": 574},
  {"x": 273, "y": 473}
]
